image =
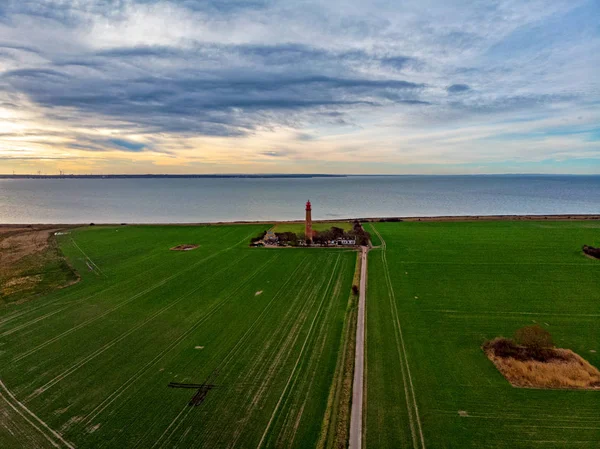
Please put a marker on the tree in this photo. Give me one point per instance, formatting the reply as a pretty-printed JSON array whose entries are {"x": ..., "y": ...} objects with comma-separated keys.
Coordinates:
[
  {"x": 337, "y": 232},
  {"x": 536, "y": 339},
  {"x": 355, "y": 289}
]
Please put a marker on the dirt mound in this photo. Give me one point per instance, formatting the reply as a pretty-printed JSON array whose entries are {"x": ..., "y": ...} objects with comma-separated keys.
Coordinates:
[{"x": 185, "y": 247}]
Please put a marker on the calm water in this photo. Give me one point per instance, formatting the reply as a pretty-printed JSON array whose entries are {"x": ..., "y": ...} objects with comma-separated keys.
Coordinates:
[{"x": 211, "y": 200}]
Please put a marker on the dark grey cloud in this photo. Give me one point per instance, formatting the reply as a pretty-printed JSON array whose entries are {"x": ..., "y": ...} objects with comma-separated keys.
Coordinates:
[
  {"x": 397, "y": 62},
  {"x": 85, "y": 143},
  {"x": 457, "y": 88},
  {"x": 185, "y": 94},
  {"x": 35, "y": 74},
  {"x": 17, "y": 47}
]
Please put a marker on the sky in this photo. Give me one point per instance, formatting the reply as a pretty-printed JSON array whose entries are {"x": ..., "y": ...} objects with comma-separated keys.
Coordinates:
[{"x": 260, "y": 86}]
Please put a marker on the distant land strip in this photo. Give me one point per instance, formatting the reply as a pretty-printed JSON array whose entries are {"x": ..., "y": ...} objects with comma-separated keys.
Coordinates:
[
  {"x": 213, "y": 176},
  {"x": 553, "y": 217}
]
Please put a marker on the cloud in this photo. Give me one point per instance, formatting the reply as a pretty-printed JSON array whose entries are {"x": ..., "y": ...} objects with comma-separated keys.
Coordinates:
[
  {"x": 127, "y": 145},
  {"x": 457, "y": 88},
  {"x": 186, "y": 76}
]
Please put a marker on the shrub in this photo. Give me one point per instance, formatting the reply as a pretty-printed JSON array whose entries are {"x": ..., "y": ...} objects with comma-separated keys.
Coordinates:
[
  {"x": 534, "y": 337},
  {"x": 504, "y": 347},
  {"x": 355, "y": 289},
  {"x": 258, "y": 237},
  {"x": 531, "y": 343},
  {"x": 591, "y": 251},
  {"x": 537, "y": 341}
]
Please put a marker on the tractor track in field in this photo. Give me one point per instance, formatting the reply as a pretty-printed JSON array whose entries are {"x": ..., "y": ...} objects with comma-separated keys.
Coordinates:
[
  {"x": 61, "y": 300},
  {"x": 272, "y": 361},
  {"x": 124, "y": 303},
  {"x": 121, "y": 337},
  {"x": 88, "y": 259},
  {"x": 411, "y": 400},
  {"x": 17, "y": 315},
  {"x": 288, "y": 342},
  {"x": 292, "y": 377},
  {"x": 215, "y": 308},
  {"x": 320, "y": 340},
  {"x": 53, "y": 437},
  {"x": 33, "y": 321},
  {"x": 178, "y": 420}
]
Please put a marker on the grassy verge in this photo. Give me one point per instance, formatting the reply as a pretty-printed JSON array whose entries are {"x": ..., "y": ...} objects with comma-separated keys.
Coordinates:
[
  {"x": 375, "y": 241},
  {"x": 336, "y": 423}
]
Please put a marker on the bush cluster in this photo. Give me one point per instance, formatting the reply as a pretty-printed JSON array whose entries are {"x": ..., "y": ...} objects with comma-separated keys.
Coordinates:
[
  {"x": 258, "y": 237},
  {"x": 530, "y": 343},
  {"x": 591, "y": 251}
]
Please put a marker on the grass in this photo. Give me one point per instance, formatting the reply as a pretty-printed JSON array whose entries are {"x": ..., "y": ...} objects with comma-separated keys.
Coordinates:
[
  {"x": 93, "y": 360},
  {"x": 436, "y": 292},
  {"x": 298, "y": 227}
]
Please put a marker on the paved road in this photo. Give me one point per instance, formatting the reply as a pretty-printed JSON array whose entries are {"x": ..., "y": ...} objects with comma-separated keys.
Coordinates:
[{"x": 356, "y": 416}]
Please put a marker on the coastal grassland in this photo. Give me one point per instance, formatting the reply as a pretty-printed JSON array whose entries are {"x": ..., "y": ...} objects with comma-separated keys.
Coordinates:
[
  {"x": 31, "y": 263},
  {"x": 298, "y": 227},
  {"x": 93, "y": 361},
  {"x": 436, "y": 292}
]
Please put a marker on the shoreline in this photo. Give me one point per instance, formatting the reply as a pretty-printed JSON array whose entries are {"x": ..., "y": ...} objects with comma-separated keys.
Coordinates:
[{"x": 440, "y": 218}]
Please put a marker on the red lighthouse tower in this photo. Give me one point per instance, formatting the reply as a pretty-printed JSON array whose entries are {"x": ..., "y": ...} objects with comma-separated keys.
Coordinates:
[{"x": 308, "y": 233}]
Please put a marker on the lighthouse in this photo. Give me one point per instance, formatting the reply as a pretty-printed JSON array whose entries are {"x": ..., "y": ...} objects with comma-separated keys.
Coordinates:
[{"x": 308, "y": 233}]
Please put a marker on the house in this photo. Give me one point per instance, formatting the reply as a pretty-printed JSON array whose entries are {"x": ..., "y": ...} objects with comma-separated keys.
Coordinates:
[
  {"x": 270, "y": 237},
  {"x": 342, "y": 241}
]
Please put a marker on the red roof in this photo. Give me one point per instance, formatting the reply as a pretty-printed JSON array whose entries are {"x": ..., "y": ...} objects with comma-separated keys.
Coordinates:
[{"x": 308, "y": 205}]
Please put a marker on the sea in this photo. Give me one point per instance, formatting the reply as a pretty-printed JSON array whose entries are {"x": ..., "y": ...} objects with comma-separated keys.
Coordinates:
[{"x": 194, "y": 200}]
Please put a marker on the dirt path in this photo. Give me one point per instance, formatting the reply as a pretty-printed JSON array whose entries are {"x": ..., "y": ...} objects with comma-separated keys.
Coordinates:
[{"x": 356, "y": 417}]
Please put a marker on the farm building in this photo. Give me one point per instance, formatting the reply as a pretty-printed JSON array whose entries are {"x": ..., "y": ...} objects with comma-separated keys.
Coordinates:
[
  {"x": 342, "y": 241},
  {"x": 270, "y": 237}
]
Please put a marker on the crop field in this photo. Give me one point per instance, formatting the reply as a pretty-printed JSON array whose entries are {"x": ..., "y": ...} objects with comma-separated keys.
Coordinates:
[
  {"x": 436, "y": 292},
  {"x": 298, "y": 228},
  {"x": 252, "y": 337}
]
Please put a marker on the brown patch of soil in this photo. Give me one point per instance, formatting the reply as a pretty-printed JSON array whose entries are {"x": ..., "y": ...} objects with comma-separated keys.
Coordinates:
[
  {"x": 565, "y": 370},
  {"x": 31, "y": 262},
  {"x": 186, "y": 247},
  {"x": 16, "y": 243}
]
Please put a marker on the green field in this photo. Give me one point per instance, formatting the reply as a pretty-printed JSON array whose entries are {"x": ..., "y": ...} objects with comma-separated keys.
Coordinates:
[
  {"x": 298, "y": 228},
  {"x": 93, "y": 361},
  {"x": 436, "y": 292}
]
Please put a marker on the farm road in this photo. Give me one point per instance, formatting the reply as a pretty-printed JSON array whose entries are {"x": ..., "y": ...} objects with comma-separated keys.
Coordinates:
[{"x": 359, "y": 360}]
